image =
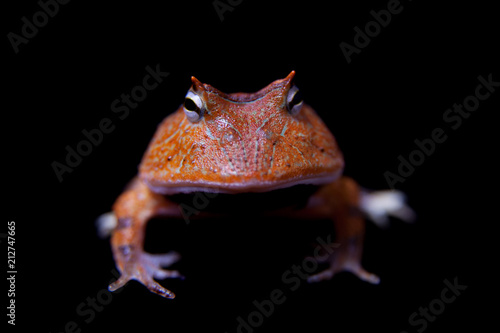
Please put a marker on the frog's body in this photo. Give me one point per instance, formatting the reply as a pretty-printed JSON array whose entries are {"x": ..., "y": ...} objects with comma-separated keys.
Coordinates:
[{"x": 268, "y": 141}]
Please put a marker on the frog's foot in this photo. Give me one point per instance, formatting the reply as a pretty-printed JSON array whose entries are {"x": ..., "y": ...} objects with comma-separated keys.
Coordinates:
[
  {"x": 379, "y": 205},
  {"x": 145, "y": 267},
  {"x": 345, "y": 259}
]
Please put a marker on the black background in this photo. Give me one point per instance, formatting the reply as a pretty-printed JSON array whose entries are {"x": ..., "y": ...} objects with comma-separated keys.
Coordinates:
[{"x": 394, "y": 91}]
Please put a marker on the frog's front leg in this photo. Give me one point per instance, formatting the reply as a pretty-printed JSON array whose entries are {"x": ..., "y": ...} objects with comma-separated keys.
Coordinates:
[
  {"x": 340, "y": 201},
  {"x": 133, "y": 208}
]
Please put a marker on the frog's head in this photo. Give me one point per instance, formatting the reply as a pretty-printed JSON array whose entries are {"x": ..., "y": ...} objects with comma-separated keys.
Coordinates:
[{"x": 241, "y": 142}]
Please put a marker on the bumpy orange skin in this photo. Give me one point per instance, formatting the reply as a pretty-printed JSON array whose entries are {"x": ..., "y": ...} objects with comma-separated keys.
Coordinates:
[{"x": 243, "y": 143}]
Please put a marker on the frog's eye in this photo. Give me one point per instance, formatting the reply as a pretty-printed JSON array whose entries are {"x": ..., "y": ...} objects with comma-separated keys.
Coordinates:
[
  {"x": 193, "y": 107},
  {"x": 294, "y": 100}
]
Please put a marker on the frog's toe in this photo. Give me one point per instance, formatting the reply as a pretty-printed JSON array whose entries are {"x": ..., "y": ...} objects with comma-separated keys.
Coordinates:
[
  {"x": 156, "y": 288},
  {"x": 161, "y": 274},
  {"x": 359, "y": 271},
  {"x": 327, "y": 274},
  {"x": 364, "y": 275},
  {"x": 122, "y": 281},
  {"x": 154, "y": 263},
  {"x": 161, "y": 260},
  {"x": 144, "y": 268},
  {"x": 345, "y": 259}
]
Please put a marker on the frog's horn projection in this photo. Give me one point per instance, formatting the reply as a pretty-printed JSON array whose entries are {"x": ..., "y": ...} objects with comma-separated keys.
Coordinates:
[
  {"x": 197, "y": 85},
  {"x": 289, "y": 77}
]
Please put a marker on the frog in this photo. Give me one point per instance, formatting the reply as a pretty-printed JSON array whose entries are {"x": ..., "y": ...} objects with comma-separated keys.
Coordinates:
[{"x": 233, "y": 145}]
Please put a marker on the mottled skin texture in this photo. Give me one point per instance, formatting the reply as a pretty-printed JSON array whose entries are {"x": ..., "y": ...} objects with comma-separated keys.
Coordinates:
[{"x": 242, "y": 143}]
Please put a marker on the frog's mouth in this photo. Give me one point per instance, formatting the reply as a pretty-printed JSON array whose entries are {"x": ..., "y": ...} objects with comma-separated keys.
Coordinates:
[{"x": 238, "y": 187}]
